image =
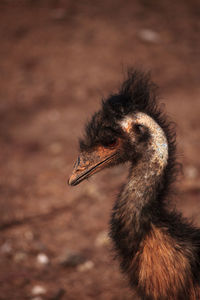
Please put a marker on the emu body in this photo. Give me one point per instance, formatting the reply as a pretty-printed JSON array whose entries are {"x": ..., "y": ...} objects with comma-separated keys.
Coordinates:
[{"x": 158, "y": 249}]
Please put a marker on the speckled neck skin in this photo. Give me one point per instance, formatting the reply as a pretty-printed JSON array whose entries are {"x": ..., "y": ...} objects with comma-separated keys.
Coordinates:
[
  {"x": 158, "y": 143},
  {"x": 158, "y": 139},
  {"x": 145, "y": 178}
]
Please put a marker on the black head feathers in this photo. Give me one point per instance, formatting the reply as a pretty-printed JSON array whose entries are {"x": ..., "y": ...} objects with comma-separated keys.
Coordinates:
[{"x": 137, "y": 93}]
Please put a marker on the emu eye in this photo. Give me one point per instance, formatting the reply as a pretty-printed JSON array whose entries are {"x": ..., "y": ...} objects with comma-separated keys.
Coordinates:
[
  {"x": 139, "y": 129},
  {"x": 111, "y": 143}
]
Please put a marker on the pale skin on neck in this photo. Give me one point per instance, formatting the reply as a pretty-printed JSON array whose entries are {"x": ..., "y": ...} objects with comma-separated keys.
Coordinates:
[
  {"x": 158, "y": 139},
  {"x": 143, "y": 177}
]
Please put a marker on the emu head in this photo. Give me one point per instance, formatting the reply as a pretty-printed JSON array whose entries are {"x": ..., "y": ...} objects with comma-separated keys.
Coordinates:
[{"x": 128, "y": 127}]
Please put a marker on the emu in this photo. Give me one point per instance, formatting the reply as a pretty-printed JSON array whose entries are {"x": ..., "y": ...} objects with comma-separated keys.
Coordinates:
[{"x": 158, "y": 249}]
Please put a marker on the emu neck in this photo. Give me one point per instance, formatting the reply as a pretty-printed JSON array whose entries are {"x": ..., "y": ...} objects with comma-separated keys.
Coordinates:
[
  {"x": 145, "y": 178},
  {"x": 138, "y": 200},
  {"x": 141, "y": 190}
]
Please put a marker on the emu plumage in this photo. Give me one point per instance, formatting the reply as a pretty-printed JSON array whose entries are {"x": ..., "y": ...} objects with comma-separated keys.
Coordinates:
[{"x": 158, "y": 249}]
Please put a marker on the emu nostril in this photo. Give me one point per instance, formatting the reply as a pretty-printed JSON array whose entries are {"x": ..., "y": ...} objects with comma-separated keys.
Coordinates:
[{"x": 79, "y": 168}]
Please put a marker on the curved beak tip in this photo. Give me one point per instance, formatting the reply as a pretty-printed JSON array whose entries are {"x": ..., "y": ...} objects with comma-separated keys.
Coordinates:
[{"x": 71, "y": 180}]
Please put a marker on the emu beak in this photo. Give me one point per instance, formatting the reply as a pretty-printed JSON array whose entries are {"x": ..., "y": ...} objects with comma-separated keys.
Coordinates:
[{"x": 88, "y": 164}]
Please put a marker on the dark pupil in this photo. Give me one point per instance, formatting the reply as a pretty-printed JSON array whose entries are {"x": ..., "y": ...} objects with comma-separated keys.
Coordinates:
[{"x": 110, "y": 143}]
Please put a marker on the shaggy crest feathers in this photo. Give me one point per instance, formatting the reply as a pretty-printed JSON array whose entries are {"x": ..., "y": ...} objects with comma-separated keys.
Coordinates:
[{"x": 137, "y": 93}]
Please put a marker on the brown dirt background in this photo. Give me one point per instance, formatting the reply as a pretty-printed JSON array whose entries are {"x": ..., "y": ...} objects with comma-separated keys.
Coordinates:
[{"x": 57, "y": 60}]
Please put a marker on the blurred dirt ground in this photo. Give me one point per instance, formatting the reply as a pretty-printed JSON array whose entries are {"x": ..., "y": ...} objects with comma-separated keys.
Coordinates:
[{"x": 57, "y": 60}]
